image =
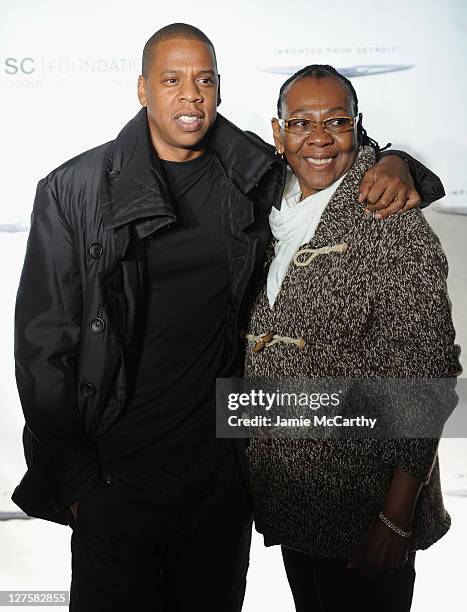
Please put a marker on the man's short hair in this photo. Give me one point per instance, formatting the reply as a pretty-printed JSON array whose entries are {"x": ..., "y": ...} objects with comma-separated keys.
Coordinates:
[{"x": 170, "y": 32}]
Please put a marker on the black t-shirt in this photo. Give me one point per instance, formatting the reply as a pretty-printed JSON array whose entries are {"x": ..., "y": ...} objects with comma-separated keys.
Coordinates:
[{"x": 170, "y": 418}]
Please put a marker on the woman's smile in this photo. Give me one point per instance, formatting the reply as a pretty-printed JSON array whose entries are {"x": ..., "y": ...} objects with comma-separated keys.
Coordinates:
[{"x": 319, "y": 164}]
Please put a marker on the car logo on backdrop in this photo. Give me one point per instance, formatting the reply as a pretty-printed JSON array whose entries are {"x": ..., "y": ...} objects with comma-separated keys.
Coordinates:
[{"x": 350, "y": 71}]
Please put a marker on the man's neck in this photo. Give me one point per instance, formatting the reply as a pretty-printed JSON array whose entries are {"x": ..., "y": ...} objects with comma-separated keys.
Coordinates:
[
  {"x": 166, "y": 152},
  {"x": 178, "y": 155}
]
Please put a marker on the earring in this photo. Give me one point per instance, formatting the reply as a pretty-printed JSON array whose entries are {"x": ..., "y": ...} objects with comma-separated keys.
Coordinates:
[{"x": 280, "y": 152}]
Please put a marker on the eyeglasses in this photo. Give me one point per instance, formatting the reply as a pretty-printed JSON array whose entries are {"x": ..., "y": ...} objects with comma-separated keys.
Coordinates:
[{"x": 333, "y": 125}]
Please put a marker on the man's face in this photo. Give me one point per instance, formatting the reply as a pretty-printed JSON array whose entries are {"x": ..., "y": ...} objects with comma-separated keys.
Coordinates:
[{"x": 180, "y": 93}]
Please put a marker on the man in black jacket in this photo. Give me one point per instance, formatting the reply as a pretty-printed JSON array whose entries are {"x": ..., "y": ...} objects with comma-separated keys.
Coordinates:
[{"x": 142, "y": 260}]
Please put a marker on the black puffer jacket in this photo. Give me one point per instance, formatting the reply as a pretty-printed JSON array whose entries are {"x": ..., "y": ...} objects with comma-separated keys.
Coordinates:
[{"x": 81, "y": 292}]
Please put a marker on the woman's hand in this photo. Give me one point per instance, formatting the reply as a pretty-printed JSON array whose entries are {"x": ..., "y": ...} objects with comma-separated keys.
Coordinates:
[
  {"x": 381, "y": 551},
  {"x": 388, "y": 188}
]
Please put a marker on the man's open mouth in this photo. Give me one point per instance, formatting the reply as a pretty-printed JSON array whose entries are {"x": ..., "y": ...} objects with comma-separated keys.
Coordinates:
[{"x": 189, "y": 121}]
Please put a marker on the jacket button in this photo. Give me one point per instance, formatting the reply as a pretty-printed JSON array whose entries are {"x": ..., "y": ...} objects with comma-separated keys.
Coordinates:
[
  {"x": 113, "y": 175},
  {"x": 96, "y": 250},
  {"x": 97, "y": 325},
  {"x": 263, "y": 340},
  {"x": 107, "y": 479},
  {"x": 88, "y": 389}
]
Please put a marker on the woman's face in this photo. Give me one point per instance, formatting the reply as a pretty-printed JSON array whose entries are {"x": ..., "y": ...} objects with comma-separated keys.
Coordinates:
[{"x": 320, "y": 158}]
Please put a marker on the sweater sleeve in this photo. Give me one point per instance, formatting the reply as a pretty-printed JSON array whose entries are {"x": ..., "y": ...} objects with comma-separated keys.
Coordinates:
[{"x": 414, "y": 339}]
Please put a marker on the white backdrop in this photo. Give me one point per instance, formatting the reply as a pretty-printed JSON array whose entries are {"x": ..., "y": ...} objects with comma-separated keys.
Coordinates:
[{"x": 68, "y": 74}]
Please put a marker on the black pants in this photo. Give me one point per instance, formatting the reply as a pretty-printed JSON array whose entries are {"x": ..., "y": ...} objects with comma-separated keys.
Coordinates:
[
  {"x": 326, "y": 585},
  {"x": 173, "y": 540}
]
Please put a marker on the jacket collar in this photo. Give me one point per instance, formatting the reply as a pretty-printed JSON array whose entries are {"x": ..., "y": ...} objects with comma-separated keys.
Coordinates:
[
  {"x": 133, "y": 186},
  {"x": 343, "y": 210}
]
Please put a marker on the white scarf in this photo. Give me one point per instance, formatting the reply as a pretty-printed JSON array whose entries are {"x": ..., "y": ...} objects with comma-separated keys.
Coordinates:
[{"x": 293, "y": 225}]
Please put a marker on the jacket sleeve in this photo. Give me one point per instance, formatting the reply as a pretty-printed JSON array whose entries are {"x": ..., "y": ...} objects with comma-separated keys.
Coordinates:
[
  {"x": 47, "y": 334},
  {"x": 414, "y": 339},
  {"x": 428, "y": 185}
]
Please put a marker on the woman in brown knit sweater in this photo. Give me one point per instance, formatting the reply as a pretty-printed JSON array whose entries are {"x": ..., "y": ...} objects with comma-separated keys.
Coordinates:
[{"x": 368, "y": 298}]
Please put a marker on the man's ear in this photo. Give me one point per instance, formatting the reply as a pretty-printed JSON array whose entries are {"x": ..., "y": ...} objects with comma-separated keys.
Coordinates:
[
  {"x": 142, "y": 91},
  {"x": 219, "y": 99}
]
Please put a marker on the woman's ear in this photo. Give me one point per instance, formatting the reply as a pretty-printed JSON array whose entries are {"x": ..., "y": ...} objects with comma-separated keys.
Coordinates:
[
  {"x": 276, "y": 132},
  {"x": 360, "y": 129}
]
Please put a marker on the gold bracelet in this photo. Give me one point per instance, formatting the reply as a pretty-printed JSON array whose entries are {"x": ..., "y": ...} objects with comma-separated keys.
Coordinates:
[{"x": 395, "y": 528}]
